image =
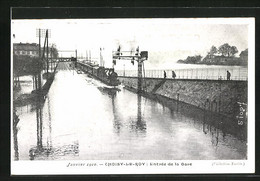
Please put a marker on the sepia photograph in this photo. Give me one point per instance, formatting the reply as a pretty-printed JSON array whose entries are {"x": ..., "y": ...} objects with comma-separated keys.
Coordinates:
[{"x": 132, "y": 95}]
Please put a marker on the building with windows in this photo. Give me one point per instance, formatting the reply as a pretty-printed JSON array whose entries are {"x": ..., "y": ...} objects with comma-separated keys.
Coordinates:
[{"x": 28, "y": 49}]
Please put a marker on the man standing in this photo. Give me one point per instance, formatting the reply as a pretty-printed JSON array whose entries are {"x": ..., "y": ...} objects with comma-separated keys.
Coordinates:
[
  {"x": 173, "y": 75},
  {"x": 164, "y": 73},
  {"x": 228, "y": 75}
]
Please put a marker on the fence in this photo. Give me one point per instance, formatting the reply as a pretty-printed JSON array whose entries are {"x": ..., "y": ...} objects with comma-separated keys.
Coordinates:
[{"x": 240, "y": 73}]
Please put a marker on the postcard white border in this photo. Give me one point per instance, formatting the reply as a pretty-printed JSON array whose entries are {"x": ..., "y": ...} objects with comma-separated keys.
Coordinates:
[{"x": 198, "y": 166}]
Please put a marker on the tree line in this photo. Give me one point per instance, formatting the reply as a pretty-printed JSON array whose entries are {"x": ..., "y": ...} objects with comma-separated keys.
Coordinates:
[{"x": 223, "y": 55}]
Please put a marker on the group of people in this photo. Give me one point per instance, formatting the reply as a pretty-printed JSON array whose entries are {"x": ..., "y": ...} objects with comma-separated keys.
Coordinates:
[{"x": 174, "y": 75}]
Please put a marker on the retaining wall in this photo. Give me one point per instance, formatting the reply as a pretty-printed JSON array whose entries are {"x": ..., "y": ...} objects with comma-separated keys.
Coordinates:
[{"x": 215, "y": 95}]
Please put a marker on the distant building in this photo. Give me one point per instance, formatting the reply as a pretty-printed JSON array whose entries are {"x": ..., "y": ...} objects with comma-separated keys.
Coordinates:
[
  {"x": 22, "y": 49},
  {"x": 27, "y": 49}
]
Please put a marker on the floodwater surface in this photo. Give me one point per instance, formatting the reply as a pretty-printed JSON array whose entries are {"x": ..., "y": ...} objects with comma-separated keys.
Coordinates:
[{"x": 81, "y": 118}]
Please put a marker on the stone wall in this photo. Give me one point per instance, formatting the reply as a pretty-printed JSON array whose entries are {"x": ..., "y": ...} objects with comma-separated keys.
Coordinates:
[{"x": 215, "y": 95}]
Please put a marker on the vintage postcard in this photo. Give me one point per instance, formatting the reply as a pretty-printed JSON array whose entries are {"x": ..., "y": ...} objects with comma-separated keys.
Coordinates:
[{"x": 132, "y": 96}]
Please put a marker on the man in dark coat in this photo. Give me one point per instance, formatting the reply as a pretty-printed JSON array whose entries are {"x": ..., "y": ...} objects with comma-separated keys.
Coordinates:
[
  {"x": 228, "y": 75},
  {"x": 173, "y": 75}
]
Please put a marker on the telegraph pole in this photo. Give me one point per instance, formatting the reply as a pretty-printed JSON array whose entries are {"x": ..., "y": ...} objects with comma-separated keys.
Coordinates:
[
  {"x": 40, "y": 33},
  {"x": 100, "y": 59},
  {"x": 47, "y": 53},
  {"x": 124, "y": 70},
  {"x": 90, "y": 56},
  {"x": 38, "y": 75},
  {"x": 39, "y": 43},
  {"x": 51, "y": 56}
]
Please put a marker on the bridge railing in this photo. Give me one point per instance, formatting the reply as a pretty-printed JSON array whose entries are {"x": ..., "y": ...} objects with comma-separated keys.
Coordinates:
[{"x": 240, "y": 73}]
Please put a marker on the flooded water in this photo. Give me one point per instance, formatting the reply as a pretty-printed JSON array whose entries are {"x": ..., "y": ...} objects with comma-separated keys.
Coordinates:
[{"x": 81, "y": 118}]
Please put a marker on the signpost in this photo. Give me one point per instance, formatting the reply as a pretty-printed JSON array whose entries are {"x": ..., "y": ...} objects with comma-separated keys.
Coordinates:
[{"x": 138, "y": 57}]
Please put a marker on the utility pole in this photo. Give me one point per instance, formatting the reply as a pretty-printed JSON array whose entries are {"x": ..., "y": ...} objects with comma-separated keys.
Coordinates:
[
  {"x": 47, "y": 53},
  {"x": 90, "y": 56},
  {"x": 38, "y": 75},
  {"x": 100, "y": 61},
  {"x": 124, "y": 70},
  {"x": 51, "y": 56},
  {"x": 39, "y": 43},
  {"x": 40, "y": 33}
]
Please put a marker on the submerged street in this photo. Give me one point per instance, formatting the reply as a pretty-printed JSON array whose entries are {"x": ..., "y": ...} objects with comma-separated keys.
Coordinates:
[{"x": 82, "y": 118}]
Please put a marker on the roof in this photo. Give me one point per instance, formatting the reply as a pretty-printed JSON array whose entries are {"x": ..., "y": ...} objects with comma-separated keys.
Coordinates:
[{"x": 26, "y": 46}]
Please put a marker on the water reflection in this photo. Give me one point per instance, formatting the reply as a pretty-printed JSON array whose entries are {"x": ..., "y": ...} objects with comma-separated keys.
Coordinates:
[
  {"x": 48, "y": 151},
  {"x": 112, "y": 93},
  {"x": 15, "y": 131},
  {"x": 49, "y": 138},
  {"x": 117, "y": 123},
  {"x": 35, "y": 151},
  {"x": 207, "y": 119},
  {"x": 39, "y": 124},
  {"x": 109, "y": 123},
  {"x": 140, "y": 124},
  {"x": 224, "y": 132},
  {"x": 137, "y": 124}
]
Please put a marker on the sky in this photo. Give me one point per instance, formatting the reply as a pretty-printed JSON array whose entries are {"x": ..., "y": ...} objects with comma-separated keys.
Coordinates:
[{"x": 166, "y": 40}]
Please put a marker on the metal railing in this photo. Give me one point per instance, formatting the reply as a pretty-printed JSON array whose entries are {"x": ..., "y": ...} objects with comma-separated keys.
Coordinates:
[{"x": 237, "y": 73}]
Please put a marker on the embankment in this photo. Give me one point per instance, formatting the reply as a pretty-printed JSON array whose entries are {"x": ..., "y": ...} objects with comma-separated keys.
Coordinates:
[{"x": 218, "y": 96}]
